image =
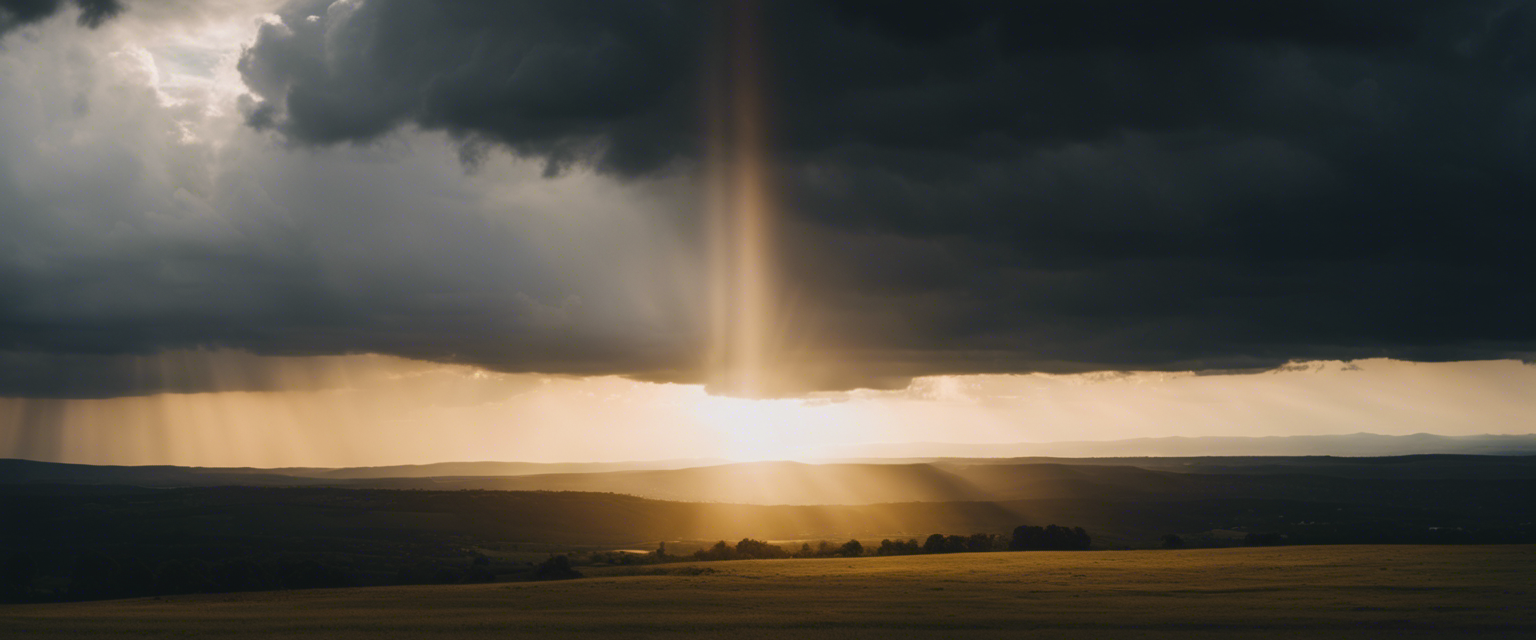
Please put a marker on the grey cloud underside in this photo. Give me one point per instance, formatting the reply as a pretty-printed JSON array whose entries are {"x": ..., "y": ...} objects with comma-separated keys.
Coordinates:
[
  {"x": 18, "y": 13},
  {"x": 968, "y": 186}
]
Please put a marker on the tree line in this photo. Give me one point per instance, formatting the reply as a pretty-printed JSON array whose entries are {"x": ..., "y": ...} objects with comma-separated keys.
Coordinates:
[
  {"x": 95, "y": 574},
  {"x": 1025, "y": 538}
]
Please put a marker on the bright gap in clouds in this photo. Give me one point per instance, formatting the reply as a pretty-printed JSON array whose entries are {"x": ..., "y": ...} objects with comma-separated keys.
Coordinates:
[{"x": 376, "y": 410}]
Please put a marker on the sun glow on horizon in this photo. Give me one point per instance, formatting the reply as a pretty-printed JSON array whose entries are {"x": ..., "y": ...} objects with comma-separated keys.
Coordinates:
[
  {"x": 755, "y": 430},
  {"x": 381, "y": 410}
]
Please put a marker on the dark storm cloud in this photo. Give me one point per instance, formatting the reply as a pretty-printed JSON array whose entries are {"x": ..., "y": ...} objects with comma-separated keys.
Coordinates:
[
  {"x": 968, "y": 186},
  {"x": 567, "y": 81},
  {"x": 16, "y": 13},
  {"x": 621, "y": 80},
  {"x": 1032, "y": 185}
]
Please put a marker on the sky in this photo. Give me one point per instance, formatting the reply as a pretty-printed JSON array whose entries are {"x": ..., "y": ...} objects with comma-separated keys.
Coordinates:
[{"x": 387, "y": 231}]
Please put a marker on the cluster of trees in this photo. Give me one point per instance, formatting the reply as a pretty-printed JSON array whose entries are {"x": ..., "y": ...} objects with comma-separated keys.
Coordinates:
[
  {"x": 824, "y": 549},
  {"x": 1025, "y": 538},
  {"x": 940, "y": 543},
  {"x": 556, "y": 568},
  {"x": 95, "y": 575},
  {"x": 617, "y": 557},
  {"x": 749, "y": 549}
]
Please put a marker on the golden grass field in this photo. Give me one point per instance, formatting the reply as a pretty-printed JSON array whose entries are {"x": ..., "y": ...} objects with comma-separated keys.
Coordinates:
[{"x": 1344, "y": 592}]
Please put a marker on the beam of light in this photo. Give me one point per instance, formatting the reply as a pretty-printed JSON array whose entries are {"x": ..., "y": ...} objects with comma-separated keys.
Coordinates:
[{"x": 741, "y": 358}]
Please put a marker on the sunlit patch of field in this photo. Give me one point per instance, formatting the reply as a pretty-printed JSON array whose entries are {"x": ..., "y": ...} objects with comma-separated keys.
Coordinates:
[{"x": 1345, "y": 592}]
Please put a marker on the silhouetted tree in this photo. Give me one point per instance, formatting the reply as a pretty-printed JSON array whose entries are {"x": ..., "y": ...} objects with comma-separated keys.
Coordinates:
[
  {"x": 979, "y": 542},
  {"x": 934, "y": 544},
  {"x": 954, "y": 544},
  {"x": 851, "y": 549},
  {"x": 1172, "y": 541},
  {"x": 749, "y": 548},
  {"x": 1052, "y": 537},
  {"x": 1026, "y": 537},
  {"x": 721, "y": 551},
  {"x": 898, "y": 547},
  {"x": 1080, "y": 539},
  {"x": 557, "y": 568}
]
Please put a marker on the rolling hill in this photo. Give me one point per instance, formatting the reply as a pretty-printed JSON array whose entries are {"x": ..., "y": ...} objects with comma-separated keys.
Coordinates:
[{"x": 1404, "y": 481}]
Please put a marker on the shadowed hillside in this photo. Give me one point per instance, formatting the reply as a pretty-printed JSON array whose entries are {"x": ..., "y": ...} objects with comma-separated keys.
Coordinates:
[
  {"x": 795, "y": 483},
  {"x": 748, "y": 483},
  {"x": 1417, "y": 481},
  {"x": 54, "y": 515}
]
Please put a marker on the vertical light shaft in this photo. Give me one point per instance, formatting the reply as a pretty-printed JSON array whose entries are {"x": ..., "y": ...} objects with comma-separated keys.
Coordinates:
[{"x": 742, "y": 281}]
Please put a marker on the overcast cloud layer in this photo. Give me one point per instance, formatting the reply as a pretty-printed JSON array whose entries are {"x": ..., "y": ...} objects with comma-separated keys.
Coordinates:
[{"x": 967, "y": 187}]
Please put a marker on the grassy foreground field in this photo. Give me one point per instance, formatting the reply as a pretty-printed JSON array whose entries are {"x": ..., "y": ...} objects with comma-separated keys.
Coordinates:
[{"x": 1353, "y": 591}]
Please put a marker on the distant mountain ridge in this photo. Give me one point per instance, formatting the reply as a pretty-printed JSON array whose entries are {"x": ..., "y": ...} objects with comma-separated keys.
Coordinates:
[
  {"x": 489, "y": 468},
  {"x": 1354, "y": 444},
  {"x": 949, "y": 480},
  {"x": 14, "y": 470},
  {"x": 875, "y": 480}
]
